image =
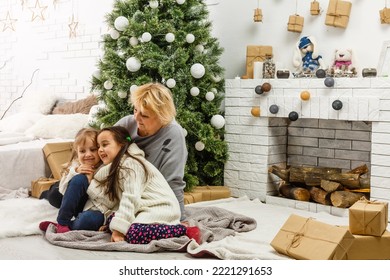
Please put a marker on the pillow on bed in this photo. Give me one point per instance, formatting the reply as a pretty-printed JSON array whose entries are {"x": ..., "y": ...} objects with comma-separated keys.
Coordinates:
[
  {"x": 58, "y": 126},
  {"x": 40, "y": 102},
  {"x": 19, "y": 122},
  {"x": 82, "y": 106}
]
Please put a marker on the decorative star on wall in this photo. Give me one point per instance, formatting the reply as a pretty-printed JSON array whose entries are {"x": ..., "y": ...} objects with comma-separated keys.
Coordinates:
[
  {"x": 8, "y": 22},
  {"x": 37, "y": 11},
  {"x": 23, "y": 3},
  {"x": 72, "y": 27}
]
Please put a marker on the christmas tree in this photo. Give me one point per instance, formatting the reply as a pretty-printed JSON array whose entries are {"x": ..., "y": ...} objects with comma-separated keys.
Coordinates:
[{"x": 168, "y": 41}]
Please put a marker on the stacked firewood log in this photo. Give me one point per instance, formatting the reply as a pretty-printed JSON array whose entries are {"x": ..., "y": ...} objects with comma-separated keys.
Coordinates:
[{"x": 328, "y": 186}]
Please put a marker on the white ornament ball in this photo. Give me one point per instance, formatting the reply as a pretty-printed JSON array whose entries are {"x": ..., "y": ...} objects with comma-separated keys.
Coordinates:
[
  {"x": 121, "y": 23},
  {"x": 197, "y": 70},
  {"x": 185, "y": 132},
  {"x": 102, "y": 125},
  {"x": 199, "y": 146},
  {"x": 190, "y": 38},
  {"x": 114, "y": 34},
  {"x": 217, "y": 121},
  {"x": 108, "y": 85},
  {"x": 210, "y": 96},
  {"x": 146, "y": 37},
  {"x": 133, "y": 41},
  {"x": 194, "y": 91},
  {"x": 122, "y": 94},
  {"x": 171, "y": 83},
  {"x": 214, "y": 90},
  {"x": 170, "y": 37},
  {"x": 153, "y": 4},
  {"x": 96, "y": 74},
  {"x": 180, "y": 2},
  {"x": 199, "y": 48},
  {"x": 133, "y": 64},
  {"x": 133, "y": 88},
  {"x": 216, "y": 78}
]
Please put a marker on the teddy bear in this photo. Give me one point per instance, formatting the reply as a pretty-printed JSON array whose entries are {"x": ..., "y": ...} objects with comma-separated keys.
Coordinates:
[
  {"x": 343, "y": 62},
  {"x": 306, "y": 58}
]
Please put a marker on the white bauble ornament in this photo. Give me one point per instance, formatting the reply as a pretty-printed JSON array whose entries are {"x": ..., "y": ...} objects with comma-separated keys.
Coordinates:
[
  {"x": 190, "y": 38},
  {"x": 133, "y": 64},
  {"x": 171, "y": 83},
  {"x": 170, "y": 37},
  {"x": 199, "y": 48},
  {"x": 122, "y": 94},
  {"x": 214, "y": 90},
  {"x": 133, "y": 41},
  {"x": 216, "y": 78},
  {"x": 108, "y": 85},
  {"x": 185, "y": 132},
  {"x": 96, "y": 74},
  {"x": 217, "y": 121},
  {"x": 194, "y": 91},
  {"x": 153, "y": 4},
  {"x": 180, "y": 2},
  {"x": 133, "y": 88},
  {"x": 199, "y": 146},
  {"x": 210, "y": 96},
  {"x": 114, "y": 34},
  {"x": 102, "y": 125},
  {"x": 146, "y": 37},
  {"x": 197, "y": 70},
  {"x": 121, "y": 23}
]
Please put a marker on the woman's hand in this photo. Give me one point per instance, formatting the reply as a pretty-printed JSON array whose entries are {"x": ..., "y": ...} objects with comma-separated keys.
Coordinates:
[{"x": 116, "y": 236}]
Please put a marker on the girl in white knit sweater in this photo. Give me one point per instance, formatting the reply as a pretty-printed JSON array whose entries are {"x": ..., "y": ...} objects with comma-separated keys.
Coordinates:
[{"x": 133, "y": 195}]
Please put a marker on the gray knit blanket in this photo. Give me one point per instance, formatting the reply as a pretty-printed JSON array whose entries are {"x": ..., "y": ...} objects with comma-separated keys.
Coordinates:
[{"x": 214, "y": 223}]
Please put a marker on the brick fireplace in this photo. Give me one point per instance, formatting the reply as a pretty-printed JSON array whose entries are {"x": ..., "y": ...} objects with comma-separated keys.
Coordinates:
[{"x": 357, "y": 134}]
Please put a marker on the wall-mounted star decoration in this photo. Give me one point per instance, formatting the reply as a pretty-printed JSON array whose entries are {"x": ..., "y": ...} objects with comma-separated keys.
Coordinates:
[
  {"x": 23, "y": 3},
  {"x": 37, "y": 11},
  {"x": 72, "y": 27},
  {"x": 8, "y": 22}
]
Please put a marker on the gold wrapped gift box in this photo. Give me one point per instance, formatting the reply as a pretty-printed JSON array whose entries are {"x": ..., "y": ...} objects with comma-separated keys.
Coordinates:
[
  {"x": 295, "y": 23},
  {"x": 205, "y": 193},
  {"x": 307, "y": 239},
  {"x": 40, "y": 185},
  {"x": 338, "y": 13},
  {"x": 368, "y": 217},
  {"x": 253, "y": 54},
  {"x": 385, "y": 15},
  {"x": 58, "y": 154}
]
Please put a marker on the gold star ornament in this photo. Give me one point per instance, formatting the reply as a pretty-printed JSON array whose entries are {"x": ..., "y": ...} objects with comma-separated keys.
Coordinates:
[
  {"x": 8, "y": 22},
  {"x": 37, "y": 11},
  {"x": 72, "y": 27}
]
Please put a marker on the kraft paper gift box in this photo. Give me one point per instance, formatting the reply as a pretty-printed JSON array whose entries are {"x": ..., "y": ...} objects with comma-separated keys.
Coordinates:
[
  {"x": 212, "y": 192},
  {"x": 192, "y": 197},
  {"x": 253, "y": 54},
  {"x": 366, "y": 247},
  {"x": 58, "y": 154},
  {"x": 314, "y": 8},
  {"x": 338, "y": 13},
  {"x": 385, "y": 15},
  {"x": 295, "y": 23},
  {"x": 368, "y": 217},
  {"x": 307, "y": 239},
  {"x": 40, "y": 185}
]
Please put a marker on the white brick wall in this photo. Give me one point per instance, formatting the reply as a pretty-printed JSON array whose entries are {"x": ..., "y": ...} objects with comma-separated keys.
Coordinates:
[
  {"x": 65, "y": 64},
  {"x": 358, "y": 133}
]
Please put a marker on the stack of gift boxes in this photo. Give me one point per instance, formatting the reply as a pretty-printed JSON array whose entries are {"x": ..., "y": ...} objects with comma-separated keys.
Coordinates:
[
  {"x": 366, "y": 237},
  {"x": 206, "y": 193}
]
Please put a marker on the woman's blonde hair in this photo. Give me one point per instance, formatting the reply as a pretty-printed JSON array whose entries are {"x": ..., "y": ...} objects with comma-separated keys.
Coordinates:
[{"x": 157, "y": 98}]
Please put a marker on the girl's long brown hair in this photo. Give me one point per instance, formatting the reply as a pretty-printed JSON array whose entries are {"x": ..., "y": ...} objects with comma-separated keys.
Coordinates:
[{"x": 121, "y": 136}]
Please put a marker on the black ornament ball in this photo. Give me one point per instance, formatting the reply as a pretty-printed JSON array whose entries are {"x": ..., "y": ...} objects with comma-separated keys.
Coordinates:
[
  {"x": 274, "y": 109},
  {"x": 320, "y": 73},
  {"x": 329, "y": 82},
  {"x": 293, "y": 116},
  {"x": 337, "y": 105},
  {"x": 258, "y": 89}
]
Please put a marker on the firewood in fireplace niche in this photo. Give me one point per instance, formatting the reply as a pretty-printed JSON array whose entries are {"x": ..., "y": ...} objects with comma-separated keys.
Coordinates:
[
  {"x": 344, "y": 199},
  {"x": 293, "y": 192}
]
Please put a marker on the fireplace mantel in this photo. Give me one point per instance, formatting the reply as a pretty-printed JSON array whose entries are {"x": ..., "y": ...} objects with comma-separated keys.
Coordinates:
[{"x": 252, "y": 140}]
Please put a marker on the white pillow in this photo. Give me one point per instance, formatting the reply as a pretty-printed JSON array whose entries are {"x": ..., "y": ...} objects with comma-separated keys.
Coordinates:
[
  {"x": 19, "y": 122},
  {"x": 39, "y": 102},
  {"x": 58, "y": 126}
]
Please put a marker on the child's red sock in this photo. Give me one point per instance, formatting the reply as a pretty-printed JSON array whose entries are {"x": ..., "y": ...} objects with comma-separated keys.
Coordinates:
[
  {"x": 62, "y": 229},
  {"x": 194, "y": 233},
  {"x": 44, "y": 225}
]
